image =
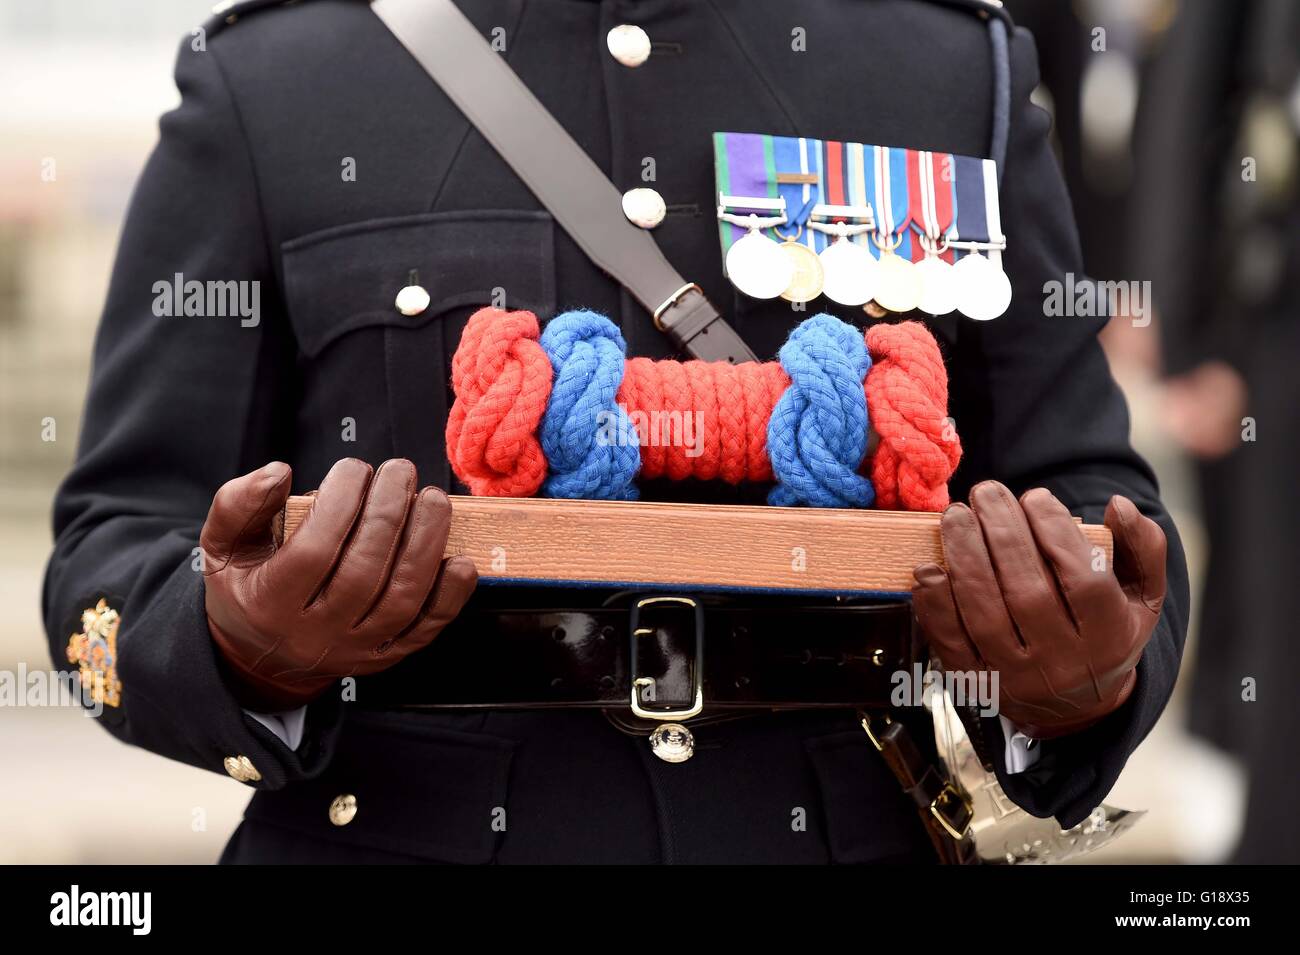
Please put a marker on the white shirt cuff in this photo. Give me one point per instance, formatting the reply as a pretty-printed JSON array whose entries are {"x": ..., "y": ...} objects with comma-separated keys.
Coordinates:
[
  {"x": 1021, "y": 752},
  {"x": 288, "y": 727}
]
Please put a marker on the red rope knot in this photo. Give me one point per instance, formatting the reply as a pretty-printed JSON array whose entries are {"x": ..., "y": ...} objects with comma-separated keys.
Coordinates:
[
  {"x": 907, "y": 392},
  {"x": 502, "y": 380},
  {"x": 703, "y": 420}
]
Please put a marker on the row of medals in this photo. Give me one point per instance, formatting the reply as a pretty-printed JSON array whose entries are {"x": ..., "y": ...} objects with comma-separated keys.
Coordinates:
[{"x": 847, "y": 273}]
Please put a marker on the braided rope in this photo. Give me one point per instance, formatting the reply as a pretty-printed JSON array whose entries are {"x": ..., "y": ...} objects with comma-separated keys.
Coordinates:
[
  {"x": 725, "y": 408},
  {"x": 908, "y": 394},
  {"x": 502, "y": 381},
  {"x": 587, "y": 353},
  {"x": 817, "y": 435},
  {"x": 600, "y": 416}
]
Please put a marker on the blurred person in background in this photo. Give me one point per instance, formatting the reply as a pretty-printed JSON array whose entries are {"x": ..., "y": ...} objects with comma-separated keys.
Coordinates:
[
  {"x": 1217, "y": 229},
  {"x": 1177, "y": 131},
  {"x": 1093, "y": 58}
]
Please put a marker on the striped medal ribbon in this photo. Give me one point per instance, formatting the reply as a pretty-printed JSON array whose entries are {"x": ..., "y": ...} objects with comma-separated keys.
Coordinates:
[
  {"x": 746, "y": 168},
  {"x": 848, "y": 265},
  {"x": 983, "y": 289},
  {"x": 930, "y": 177},
  {"x": 898, "y": 287}
]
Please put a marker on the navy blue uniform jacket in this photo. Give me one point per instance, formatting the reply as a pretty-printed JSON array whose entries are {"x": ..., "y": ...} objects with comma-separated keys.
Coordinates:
[{"x": 246, "y": 183}]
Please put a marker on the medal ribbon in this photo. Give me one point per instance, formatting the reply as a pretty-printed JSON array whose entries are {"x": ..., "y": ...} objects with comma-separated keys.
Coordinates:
[
  {"x": 991, "y": 210},
  {"x": 835, "y": 180},
  {"x": 745, "y": 166},
  {"x": 931, "y": 203},
  {"x": 792, "y": 156},
  {"x": 992, "y": 213},
  {"x": 943, "y": 167},
  {"x": 844, "y": 183},
  {"x": 892, "y": 195},
  {"x": 979, "y": 216},
  {"x": 972, "y": 221},
  {"x": 917, "y": 200}
]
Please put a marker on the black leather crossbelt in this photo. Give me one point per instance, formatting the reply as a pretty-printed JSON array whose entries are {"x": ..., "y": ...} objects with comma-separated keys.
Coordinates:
[
  {"x": 679, "y": 653},
  {"x": 558, "y": 172}
]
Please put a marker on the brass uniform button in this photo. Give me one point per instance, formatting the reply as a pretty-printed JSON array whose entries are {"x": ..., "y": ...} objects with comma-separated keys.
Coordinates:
[
  {"x": 241, "y": 769},
  {"x": 644, "y": 207},
  {"x": 343, "y": 809},
  {"x": 672, "y": 742},
  {"x": 628, "y": 44}
]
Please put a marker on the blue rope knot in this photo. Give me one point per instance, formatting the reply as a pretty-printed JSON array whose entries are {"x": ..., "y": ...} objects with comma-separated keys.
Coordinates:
[
  {"x": 592, "y": 448},
  {"x": 817, "y": 435}
]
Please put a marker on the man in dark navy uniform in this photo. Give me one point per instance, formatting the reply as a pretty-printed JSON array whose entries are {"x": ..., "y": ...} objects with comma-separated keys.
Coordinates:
[{"x": 311, "y": 155}]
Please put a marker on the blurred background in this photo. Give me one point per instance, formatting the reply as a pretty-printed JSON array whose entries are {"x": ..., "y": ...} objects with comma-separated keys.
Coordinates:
[{"x": 1178, "y": 127}]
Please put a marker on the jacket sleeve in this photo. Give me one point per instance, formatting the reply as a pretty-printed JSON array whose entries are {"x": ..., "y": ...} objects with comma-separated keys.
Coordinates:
[
  {"x": 1042, "y": 409},
  {"x": 178, "y": 404}
]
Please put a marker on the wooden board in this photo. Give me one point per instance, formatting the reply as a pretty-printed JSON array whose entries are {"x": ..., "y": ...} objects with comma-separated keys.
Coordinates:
[{"x": 692, "y": 546}]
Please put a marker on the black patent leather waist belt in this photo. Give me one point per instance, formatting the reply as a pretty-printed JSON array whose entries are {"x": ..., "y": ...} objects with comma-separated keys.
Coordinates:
[{"x": 658, "y": 657}]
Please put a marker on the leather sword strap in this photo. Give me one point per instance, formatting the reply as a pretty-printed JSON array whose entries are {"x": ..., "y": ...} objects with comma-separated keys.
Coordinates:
[
  {"x": 733, "y": 657},
  {"x": 945, "y": 810},
  {"x": 560, "y": 174}
]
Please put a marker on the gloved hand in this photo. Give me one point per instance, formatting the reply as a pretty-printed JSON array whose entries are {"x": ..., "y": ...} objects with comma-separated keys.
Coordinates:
[
  {"x": 1021, "y": 596},
  {"x": 361, "y": 585}
]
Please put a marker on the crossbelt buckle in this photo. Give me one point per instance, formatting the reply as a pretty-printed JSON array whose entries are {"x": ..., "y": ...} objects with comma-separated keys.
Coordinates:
[
  {"x": 671, "y": 300},
  {"x": 683, "y": 606},
  {"x": 954, "y": 810},
  {"x": 951, "y": 806}
]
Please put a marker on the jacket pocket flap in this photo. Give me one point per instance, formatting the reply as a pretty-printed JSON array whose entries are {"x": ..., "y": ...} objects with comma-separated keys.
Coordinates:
[{"x": 348, "y": 277}]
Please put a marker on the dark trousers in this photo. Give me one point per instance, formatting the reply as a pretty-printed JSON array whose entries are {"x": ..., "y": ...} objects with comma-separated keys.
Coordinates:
[{"x": 568, "y": 787}]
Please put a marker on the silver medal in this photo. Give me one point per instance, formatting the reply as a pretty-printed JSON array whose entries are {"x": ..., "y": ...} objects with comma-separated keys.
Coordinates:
[
  {"x": 983, "y": 289},
  {"x": 757, "y": 266},
  {"x": 850, "y": 272},
  {"x": 898, "y": 287},
  {"x": 938, "y": 286},
  {"x": 999, "y": 293}
]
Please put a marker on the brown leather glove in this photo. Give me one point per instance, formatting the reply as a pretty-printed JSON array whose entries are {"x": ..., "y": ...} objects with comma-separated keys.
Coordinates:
[
  {"x": 1021, "y": 596},
  {"x": 361, "y": 585}
]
